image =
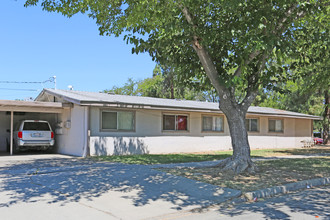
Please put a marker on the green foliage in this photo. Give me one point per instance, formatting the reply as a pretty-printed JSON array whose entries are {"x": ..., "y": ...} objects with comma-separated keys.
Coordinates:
[
  {"x": 163, "y": 84},
  {"x": 309, "y": 71},
  {"x": 130, "y": 88},
  {"x": 218, "y": 155},
  {"x": 231, "y": 31},
  {"x": 292, "y": 96},
  {"x": 162, "y": 158}
]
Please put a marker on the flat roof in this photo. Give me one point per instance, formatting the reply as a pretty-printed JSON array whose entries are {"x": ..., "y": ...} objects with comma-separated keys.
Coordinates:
[
  {"x": 31, "y": 106},
  {"x": 113, "y": 100}
]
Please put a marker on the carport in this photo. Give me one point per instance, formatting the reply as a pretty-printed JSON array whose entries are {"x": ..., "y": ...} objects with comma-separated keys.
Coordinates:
[{"x": 24, "y": 110}]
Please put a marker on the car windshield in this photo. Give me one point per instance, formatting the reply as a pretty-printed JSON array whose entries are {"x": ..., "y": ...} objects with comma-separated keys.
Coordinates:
[{"x": 36, "y": 126}]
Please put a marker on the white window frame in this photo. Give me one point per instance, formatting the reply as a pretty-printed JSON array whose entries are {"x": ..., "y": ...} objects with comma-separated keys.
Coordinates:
[
  {"x": 249, "y": 127},
  {"x": 282, "y": 125},
  {"x": 176, "y": 122},
  {"x": 116, "y": 130},
  {"x": 213, "y": 124}
]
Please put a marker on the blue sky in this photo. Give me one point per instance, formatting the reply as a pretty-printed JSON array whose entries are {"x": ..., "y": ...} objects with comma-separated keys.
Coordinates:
[{"x": 36, "y": 45}]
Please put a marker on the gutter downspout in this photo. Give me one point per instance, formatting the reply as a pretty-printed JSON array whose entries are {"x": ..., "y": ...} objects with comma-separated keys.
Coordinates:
[{"x": 87, "y": 130}]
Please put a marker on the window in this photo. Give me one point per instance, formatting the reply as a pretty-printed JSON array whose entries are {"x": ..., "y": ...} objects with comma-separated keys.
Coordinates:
[
  {"x": 212, "y": 123},
  {"x": 175, "y": 122},
  {"x": 117, "y": 120},
  {"x": 252, "y": 124},
  {"x": 36, "y": 126},
  {"x": 275, "y": 125}
]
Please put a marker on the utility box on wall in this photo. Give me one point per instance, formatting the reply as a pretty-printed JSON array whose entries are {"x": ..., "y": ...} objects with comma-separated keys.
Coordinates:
[
  {"x": 67, "y": 124},
  {"x": 59, "y": 131}
]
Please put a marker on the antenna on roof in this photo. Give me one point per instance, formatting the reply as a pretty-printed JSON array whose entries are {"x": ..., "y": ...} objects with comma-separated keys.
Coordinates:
[
  {"x": 54, "y": 77},
  {"x": 70, "y": 87}
]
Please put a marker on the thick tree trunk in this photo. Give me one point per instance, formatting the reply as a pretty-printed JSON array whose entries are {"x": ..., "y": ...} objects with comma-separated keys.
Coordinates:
[
  {"x": 326, "y": 117},
  {"x": 240, "y": 161}
]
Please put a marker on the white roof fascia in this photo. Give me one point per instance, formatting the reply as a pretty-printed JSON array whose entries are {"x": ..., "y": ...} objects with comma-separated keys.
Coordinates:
[
  {"x": 284, "y": 116},
  {"x": 118, "y": 104}
]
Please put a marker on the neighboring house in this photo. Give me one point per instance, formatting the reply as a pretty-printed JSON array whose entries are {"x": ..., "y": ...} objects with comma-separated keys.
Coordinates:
[{"x": 107, "y": 124}]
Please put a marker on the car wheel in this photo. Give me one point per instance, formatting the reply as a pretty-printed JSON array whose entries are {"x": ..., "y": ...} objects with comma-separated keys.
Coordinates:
[{"x": 15, "y": 148}]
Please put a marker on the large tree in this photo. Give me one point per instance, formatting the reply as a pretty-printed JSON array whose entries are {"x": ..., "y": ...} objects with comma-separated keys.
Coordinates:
[
  {"x": 237, "y": 45},
  {"x": 308, "y": 92}
]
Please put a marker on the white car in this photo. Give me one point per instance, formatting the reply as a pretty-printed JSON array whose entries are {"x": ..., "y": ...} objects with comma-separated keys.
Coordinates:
[{"x": 33, "y": 134}]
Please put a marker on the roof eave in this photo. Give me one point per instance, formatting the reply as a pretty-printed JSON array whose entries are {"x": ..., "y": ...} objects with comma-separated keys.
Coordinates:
[
  {"x": 176, "y": 108},
  {"x": 66, "y": 98}
]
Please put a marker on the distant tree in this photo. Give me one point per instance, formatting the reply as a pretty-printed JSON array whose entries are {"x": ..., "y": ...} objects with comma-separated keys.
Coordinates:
[
  {"x": 157, "y": 71},
  {"x": 152, "y": 87},
  {"x": 239, "y": 45},
  {"x": 130, "y": 88},
  {"x": 292, "y": 96},
  {"x": 161, "y": 85}
]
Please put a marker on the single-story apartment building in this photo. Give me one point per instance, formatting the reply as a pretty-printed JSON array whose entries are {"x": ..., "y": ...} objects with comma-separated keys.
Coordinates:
[{"x": 94, "y": 123}]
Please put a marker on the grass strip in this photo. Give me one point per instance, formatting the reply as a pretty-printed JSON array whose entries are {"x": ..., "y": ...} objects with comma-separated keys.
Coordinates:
[{"x": 206, "y": 156}]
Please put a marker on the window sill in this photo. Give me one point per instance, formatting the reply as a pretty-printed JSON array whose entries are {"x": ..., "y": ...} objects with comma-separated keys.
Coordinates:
[
  {"x": 212, "y": 131},
  {"x": 276, "y": 132},
  {"x": 116, "y": 131},
  {"x": 175, "y": 131}
]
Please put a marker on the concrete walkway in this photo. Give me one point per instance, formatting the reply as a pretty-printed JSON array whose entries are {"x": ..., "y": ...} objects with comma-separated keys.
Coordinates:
[{"x": 72, "y": 188}]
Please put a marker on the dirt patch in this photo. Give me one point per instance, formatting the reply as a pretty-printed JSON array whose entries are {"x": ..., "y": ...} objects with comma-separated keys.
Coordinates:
[
  {"x": 271, "y": 173},
  {"x": 319, "y": 149}
]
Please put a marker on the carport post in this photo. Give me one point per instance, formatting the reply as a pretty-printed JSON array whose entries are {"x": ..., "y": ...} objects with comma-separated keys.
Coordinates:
[{"x": 11, "y": 131}]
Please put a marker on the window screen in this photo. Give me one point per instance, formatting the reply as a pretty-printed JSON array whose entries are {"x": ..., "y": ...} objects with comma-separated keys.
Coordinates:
[
  {"x": 275, "y": 125},
  {"x": 119, "y": 120},
  {"x": 109, "y": 120},
  {"x": 125, "y": 121},
  {"x": 212, "y": 123},
  {"x": 218, "y": 123},
  {"x": 207, "y": 123},
  {"x": 169, "y": 122},
  {"x": 251, "y": 124}
]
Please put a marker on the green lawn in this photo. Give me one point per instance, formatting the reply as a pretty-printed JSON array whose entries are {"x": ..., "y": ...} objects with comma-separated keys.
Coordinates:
[
  {"x": 183, "y": 158},
  {"x": 162, "y": 158}
]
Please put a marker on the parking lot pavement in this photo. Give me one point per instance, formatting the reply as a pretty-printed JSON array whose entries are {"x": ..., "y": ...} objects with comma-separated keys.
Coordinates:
[{"x": 70, "y": 187}]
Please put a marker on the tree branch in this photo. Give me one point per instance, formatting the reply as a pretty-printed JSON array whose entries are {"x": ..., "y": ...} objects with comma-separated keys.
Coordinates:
[
  {"x": 205, "y": 58},
  {"x": 253, "y": 91},
  {"x": 291, "y": 11},
  {"x": 250, "y": 58}
]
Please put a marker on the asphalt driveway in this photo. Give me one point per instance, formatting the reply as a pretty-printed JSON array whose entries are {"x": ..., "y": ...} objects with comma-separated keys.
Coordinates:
[{"x": 63, "y": 187}]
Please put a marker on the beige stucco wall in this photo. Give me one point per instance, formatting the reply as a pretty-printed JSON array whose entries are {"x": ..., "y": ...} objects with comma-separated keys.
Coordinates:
[
  {"x": 148, "y": 136},
  {"x": 295, "y": 131},
  {"x": 149, "y": 123},
  {"x": 73, "y": 140}
]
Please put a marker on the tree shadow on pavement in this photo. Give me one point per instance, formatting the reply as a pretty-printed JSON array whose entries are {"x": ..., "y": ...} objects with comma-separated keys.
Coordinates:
[
  {"x": 313, "y": 202},
  {"x": 71, "y": 180}
]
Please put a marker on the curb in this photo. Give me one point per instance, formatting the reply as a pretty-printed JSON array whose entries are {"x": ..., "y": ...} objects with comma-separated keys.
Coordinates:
[{"x": 276, "y": 190}]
